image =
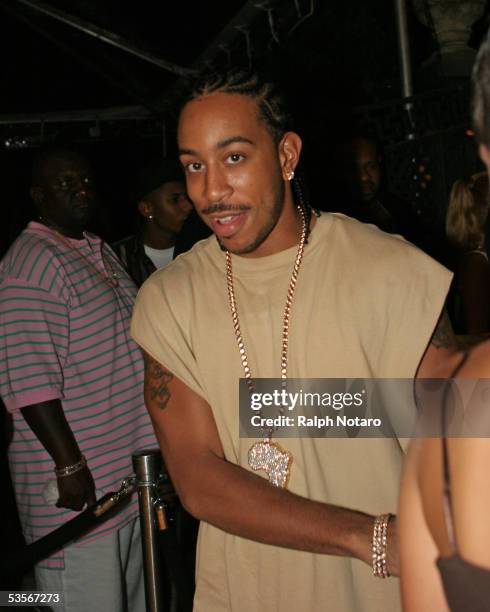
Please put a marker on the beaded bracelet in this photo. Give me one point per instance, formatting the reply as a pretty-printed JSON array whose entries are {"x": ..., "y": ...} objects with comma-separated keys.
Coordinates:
[
  {"x": 379, "y": 546},
  {"x": 68, "y": 470}
]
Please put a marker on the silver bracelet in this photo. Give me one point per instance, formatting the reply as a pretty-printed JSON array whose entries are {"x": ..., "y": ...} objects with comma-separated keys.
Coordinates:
[
  {"x": 68, "y": 470},
  {"x": 380, "y": 545}
]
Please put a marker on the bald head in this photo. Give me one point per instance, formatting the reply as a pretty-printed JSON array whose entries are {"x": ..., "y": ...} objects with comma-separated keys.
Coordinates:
[{"x": 63, "y": 190}]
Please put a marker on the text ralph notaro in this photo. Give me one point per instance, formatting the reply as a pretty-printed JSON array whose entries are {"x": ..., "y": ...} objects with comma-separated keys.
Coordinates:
[{"x": 287, "y": 400}]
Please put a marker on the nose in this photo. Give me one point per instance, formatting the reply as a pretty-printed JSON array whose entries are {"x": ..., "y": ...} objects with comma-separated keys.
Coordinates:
[
  {"x": 84, "y": 186},
  {"x": 216, "y": 185},
  {"x": 364, "y": 174}
]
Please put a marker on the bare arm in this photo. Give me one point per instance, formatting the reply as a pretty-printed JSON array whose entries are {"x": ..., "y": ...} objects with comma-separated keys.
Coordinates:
[
  {"x": 48, "y": 422},
  {"x": 234, "y": 499},
  {"x": 423, "y": 530},
  {"x": 420, "y": 581}
]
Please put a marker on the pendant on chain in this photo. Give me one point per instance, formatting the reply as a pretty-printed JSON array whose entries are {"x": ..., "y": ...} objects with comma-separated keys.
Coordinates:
[
  {"x": 273, "y": 460},
  {"x": 267, "y": 455}
]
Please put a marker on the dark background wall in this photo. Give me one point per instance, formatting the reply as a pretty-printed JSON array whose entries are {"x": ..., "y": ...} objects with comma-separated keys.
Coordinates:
[{"x": 340, "y": 65}]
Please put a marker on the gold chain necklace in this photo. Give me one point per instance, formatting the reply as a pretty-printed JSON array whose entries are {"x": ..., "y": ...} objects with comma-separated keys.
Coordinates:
[{"x": 267, "y": 455}]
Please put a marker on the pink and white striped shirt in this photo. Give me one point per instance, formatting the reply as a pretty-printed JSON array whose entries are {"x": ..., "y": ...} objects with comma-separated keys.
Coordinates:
[{"x": 65, "y": 309}]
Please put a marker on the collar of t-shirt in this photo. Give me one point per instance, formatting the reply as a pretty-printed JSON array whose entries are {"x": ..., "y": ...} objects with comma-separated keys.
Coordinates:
[{"x": 159, "y": 257}]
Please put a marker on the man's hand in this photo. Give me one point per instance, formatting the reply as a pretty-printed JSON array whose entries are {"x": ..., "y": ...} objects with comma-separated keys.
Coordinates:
[
  {"x": 47, "y": 420},
  {"x": 76, "y": 490}
]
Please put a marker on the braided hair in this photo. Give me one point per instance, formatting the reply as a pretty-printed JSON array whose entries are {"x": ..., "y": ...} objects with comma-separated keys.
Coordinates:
[{"x": 271, "y": 105}]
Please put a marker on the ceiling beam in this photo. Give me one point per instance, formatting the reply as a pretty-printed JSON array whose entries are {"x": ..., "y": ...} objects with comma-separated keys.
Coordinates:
[{"x": 105, "y": 36}]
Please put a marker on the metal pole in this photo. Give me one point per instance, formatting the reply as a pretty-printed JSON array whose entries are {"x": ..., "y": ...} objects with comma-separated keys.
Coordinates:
[
  {"x": 147, "y": 464},
  {"x": 404, "y": 48},
  {"x": 106, "y": 36},
  {"x": 16, "y": 12},
  {"x": 405, "y": 63}
]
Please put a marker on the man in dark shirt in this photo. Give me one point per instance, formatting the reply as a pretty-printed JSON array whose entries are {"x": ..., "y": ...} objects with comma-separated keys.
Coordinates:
[
  {"x": 361, "y": 181},
  {"x": 163, "y": 207}
]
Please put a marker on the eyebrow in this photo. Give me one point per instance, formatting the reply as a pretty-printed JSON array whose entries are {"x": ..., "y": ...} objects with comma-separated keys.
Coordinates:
[
  {"x": 222, "y": 144},
  {"x": 234, "y": 139}
]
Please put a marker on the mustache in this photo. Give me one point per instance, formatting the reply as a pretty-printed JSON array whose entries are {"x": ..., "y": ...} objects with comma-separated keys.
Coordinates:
[{"x": 224, "y": 207}]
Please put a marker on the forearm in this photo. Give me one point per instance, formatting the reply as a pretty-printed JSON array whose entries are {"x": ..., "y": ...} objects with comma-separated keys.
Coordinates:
[
  {"x": 232, "y": 497},
  {"x": 47, "y": 420},
  {"x": 244, "y": 504}
]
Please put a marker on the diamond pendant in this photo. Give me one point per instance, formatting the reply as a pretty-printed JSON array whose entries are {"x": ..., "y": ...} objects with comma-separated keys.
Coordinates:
[{"x": 273, "y": 460}]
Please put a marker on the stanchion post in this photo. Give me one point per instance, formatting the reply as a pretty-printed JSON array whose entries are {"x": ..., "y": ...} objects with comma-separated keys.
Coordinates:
[{"x": 147, "y": 464}]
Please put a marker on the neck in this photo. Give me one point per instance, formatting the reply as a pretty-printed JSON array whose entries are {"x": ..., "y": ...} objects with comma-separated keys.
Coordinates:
[
  {"x": 157, "y": 238},
  {"x": 76, "y": 233},
  {"x": 285, "y": 234}
]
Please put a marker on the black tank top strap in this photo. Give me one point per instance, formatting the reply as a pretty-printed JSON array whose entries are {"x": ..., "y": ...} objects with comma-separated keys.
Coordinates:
[{"x": 447, "y": 499}]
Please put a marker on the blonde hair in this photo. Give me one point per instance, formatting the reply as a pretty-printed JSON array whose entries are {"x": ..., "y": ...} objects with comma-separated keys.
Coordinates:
[{"x": 467, "y": 211}]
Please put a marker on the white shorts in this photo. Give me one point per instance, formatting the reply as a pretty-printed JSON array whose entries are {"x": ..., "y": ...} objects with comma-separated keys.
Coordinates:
[{"x": 100, "y": 576}]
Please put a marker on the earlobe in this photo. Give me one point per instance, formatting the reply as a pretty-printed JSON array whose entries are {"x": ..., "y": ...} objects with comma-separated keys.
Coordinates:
[
  {"x": 289, "y": 154},
  {"x": 37, "y": 195},
  {"x": 145, "y": 208}
]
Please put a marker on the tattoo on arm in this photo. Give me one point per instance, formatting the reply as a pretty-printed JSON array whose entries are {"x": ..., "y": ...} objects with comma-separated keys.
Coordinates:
[
  {"x": 443, "y": 336},
  {"x": 157, "y": 379}
]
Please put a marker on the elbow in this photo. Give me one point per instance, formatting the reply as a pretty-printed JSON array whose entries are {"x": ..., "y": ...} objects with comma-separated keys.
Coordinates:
[
  {"x": 190, "y": 502},
  {"x": 191, "y": 495},
  {"x": 195, "y": 482}
]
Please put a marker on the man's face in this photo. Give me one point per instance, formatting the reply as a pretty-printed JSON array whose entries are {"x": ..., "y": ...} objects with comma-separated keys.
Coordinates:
[
  {"x": 233, "y": 171},
  {"x": 66, "y": 195},
  {"x": 170, "y": 206},
  {"x": 362, "y": 170}
]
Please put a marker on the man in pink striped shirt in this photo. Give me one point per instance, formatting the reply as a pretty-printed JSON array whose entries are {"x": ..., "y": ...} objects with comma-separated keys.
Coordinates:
[{"x": 72, "y": 378}]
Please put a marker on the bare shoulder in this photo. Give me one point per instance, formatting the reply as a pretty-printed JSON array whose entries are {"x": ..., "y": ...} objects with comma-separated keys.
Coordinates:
[{"x": 478, "y": 362}]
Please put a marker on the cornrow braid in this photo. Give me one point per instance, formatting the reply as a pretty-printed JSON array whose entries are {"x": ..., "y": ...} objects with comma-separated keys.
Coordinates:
[
  {"x": 301, "y": 199},
  {"x": 270, "y": 101}
]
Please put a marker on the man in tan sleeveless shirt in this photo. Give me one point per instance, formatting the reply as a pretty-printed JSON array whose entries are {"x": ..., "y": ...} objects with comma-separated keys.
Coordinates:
[{"x": 351, "y": 302}]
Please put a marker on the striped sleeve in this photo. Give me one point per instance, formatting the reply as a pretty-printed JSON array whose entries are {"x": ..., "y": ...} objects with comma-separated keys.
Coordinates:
[{"x": 34, "y": 335}]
